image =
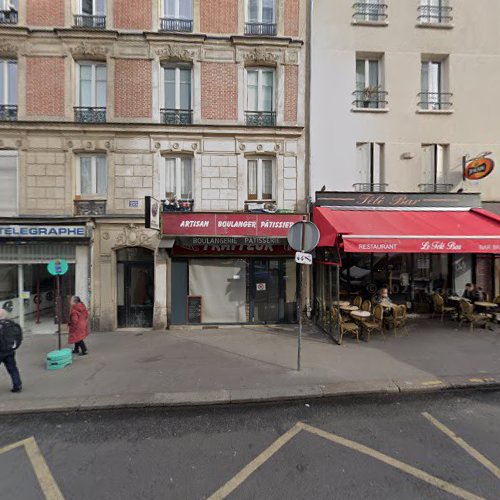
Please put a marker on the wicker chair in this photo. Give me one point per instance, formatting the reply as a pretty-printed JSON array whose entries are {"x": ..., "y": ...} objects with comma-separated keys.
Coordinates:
[
  {"x": 366, "y": 306},
  {"x": 497, "y": 300},
  {"x": 398, "y": 319},
  {"x": 345, "y": 326},
  {"x": 468, "y": 315},
  {"x": 357, "y": 301},
  {"x": 376, "y": 323},
  {"x": 440, "y": 308}
]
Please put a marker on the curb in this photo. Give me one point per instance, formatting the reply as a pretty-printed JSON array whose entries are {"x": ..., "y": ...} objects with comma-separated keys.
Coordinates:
[{"x": 483, "y": 382}]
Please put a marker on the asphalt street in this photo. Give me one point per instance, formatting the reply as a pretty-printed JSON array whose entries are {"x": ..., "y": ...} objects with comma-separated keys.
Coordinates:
[{"x": 437, "y": 446}]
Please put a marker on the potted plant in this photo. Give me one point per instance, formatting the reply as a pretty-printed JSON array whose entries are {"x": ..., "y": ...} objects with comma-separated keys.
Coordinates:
[{"x": 369, "y": 95}]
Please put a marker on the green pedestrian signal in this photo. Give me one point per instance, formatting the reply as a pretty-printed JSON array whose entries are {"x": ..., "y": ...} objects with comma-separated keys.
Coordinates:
[{"x": 57, "y": 267}]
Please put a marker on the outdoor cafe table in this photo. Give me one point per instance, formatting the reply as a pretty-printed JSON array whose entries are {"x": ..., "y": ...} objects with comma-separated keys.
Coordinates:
[
  {"x": 455, "y": 298},
  {"x": 341, "y": 303},
  {"x": 360, "y": 314},
  {"x": 349, "y": 308},
  {"x": 487, "y": 305}
]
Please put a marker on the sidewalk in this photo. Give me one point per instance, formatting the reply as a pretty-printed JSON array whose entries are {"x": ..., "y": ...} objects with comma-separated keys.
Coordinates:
[{"x": 231, "y": 365}]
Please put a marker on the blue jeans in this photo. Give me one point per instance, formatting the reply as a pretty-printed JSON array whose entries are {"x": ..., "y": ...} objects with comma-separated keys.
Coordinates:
[{"x": 9, "y": 361}]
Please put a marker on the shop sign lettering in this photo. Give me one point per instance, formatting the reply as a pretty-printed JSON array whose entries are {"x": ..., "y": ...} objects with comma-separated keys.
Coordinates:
[
  {"x": 440, "y": 245},
  {"x": 19, "y": 231}
]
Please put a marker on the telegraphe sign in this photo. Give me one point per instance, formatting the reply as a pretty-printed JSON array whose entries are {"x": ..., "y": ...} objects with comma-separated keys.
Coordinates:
[
  {"x": 397, "y": 200},
  {"x": 228, "y": 225},
  {"x": 479, "y": 167},
  {"x": 31, "y": 231}
]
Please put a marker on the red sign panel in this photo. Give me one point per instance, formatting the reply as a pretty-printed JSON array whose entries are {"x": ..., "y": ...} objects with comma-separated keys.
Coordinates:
[
  {"x": 207, "y": 224},
  {"x": 479, "y": 168},
  {"x": 422, "y": 245}
]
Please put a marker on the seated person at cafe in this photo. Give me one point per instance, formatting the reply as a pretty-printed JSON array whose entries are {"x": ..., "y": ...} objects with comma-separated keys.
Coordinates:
[
  {"x": 479, "y": 295},
  {"x": 382, "y": 297},
  {"x": 468, "y": 291}
]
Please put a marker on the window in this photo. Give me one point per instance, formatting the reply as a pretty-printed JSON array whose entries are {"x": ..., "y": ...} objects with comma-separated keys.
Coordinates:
[
  {"x": 260, "y": 97},
  {"x": 8, "y": 183},
  {"x": 432, "y": 96},
  {"x": 91, "y": 92},
  {"x": 177, "y": 95},
  {"x": 434, "y": 11},
  {"x": 176, "y": 179},
  {"x": 177, "y": 15},
  {"x": 93, "y": 177},
  {"x": 260, "y": 179},
  {"x": 369, "y": 161},
  {"x": 8, "y": 90},
  {"x": 261, "y": 17},
  {"x": 91, "y": 14},
  {"x": 434, "y": 157},
  {"x": 9, "y": 11},
  {"x": 370, "y": 11},
  {"x": 368, "y": 93}
]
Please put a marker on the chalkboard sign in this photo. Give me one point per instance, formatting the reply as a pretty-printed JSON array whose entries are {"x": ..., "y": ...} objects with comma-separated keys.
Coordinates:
[{"x": 194, "y": 309}]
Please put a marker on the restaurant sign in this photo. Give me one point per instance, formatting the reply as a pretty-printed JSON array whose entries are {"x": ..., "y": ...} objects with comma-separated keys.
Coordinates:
[
  {"x": 479, "y": 167},
  {"x": 26, "y": 231},
  {"x": 253, "y": 226}
]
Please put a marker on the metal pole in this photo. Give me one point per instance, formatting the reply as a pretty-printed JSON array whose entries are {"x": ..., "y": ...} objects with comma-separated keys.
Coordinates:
[
  {"x": 20, "y": 288},
  {"x": 338, "y": 300},
  {"x": 58, "y": 309},
  {"x": 299, "y": 312},
  {"x": 38, "y": 294}
]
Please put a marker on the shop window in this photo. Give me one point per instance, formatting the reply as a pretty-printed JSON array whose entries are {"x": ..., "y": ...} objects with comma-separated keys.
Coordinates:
[
  {"x": 8, "y": 183},
  {"x": 92, "y": 175},
  {"x": 260, "y": 179},
  {"x": 176, "y": 178},
  {"x": 369, "y": 163}
]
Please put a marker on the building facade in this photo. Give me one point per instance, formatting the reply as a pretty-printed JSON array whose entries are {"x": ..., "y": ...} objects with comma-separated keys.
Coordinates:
[
  {"x": 200, "y": 103},
  {"x": 400, "y": 100}
]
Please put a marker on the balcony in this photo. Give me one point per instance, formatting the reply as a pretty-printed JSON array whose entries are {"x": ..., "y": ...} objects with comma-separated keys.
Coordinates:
[
  {"x": 260, "y": 118},
  {"x": 434, "y": 14},
  {"x": 435, "y": 188},
  {"x": 435, "y": 101},
  {"x": 8, "y": 112},
  {"x": 90, "y": 115},
  {"x": 8, "y": 17},
  {"x": 90, "y": 207},
  {"x": 369, "y": 12},
  {"x": 176, "y": 205},
  {"x": 90, "y": 22},
  {"x": 370, "y": 99},
  {"x": 369, "y": 187},
  {"x": 176, "y": 116},
  {"x": 261, "y": 29},
  {"x": 176, "y": 25}
]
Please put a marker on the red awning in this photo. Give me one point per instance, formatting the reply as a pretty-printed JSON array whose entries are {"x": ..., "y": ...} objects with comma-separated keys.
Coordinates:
[{"x": 397, "y": 231}]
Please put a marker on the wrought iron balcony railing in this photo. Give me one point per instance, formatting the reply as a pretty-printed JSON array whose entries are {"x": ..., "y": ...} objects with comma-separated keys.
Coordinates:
[
  {"x": 8, "y": 113},
  {"x": 435, "y": 188},
  {"x": 90, "y": 115},
  {"x": 434, "y": 14},
  {"x": 90, "y": 207},
  {"x": 176, "y": 116},
  {"x": 435, "y": 101},
  {"x": 8, "y": 17},
  {"x": 178, "y": 205},
  {"x": 367, "y": 11},
  {"x": 369, "y": 187},
  {"x": 261, "y": 29},
  {"x": 370, "y": 99},
  {"x": 92, "y": 22},
  {"x": 260, "y": 118},
  {"x": 171, "y": 24}
]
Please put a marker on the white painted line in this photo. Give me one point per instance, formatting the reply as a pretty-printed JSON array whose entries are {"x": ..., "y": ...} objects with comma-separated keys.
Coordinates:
[{"x": 485, "y": 462}]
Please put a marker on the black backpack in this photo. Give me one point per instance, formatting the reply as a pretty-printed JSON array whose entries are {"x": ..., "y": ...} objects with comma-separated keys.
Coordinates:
[{"x": 11, "y": 335}]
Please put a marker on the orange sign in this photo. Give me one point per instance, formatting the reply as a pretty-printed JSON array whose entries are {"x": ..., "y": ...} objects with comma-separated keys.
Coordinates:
[{"x": 478, "y": 168}]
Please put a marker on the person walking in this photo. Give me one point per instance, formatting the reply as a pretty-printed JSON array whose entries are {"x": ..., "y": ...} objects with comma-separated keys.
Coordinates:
[
  {"x": 78, "y": 325},
  {"x": 11, "y": 337}
]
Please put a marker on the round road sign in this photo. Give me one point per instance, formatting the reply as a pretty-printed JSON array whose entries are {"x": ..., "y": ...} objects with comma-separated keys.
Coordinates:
[
  {"x": 57, "y": 267},
  {"x": 303, "y": 236}
]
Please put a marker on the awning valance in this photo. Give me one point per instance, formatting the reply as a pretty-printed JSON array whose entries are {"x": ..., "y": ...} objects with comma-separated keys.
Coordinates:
[{"x": 422, "y": 231}]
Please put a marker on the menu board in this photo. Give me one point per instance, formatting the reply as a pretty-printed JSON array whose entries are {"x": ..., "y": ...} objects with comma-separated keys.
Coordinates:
[{"x": 194, "y": 309}]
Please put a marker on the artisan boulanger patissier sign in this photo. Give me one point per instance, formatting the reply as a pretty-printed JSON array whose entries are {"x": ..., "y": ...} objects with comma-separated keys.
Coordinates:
[
  {"x": 216, "y": 225},
  {"x": 25, "y": 231}
]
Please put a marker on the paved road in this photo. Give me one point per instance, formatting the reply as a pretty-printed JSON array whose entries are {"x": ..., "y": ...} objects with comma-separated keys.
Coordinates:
[{"x": 440, "y": 446}]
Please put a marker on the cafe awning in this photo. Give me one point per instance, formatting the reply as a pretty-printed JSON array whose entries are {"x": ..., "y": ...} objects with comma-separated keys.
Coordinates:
[{"x": 407, "y": 231}]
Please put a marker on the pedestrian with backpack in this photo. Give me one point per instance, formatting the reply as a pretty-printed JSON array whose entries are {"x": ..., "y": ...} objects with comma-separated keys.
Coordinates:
[
  {"x": 78, "y": 325},
  {"x": 11, "y": 337}
]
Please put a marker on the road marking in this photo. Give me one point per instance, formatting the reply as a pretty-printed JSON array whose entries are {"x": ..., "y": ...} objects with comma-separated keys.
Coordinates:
[
  {"x": 485, "y": 462},
  {"x": 47, "y": 482},
  {"x": 250, "y": 468},
  {"x": 397, "y": 464}
]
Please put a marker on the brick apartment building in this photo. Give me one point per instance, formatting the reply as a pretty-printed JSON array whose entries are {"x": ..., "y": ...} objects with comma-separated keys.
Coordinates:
[{"x": 197, "y": 102}]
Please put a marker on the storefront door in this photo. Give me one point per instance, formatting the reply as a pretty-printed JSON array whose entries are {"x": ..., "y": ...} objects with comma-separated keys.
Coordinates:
[
  {"x": 135, "y": 288},
  {"x": 267, "y": 305}
]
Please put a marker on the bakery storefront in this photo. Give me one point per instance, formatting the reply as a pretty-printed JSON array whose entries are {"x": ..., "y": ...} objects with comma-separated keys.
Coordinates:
[
  {"x": 230, "y": 268},
  {"x": 27, "y": 290}
]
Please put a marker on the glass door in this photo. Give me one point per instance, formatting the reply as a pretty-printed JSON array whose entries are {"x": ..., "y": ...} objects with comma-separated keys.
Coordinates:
[{"x": 267, "y": 292}]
